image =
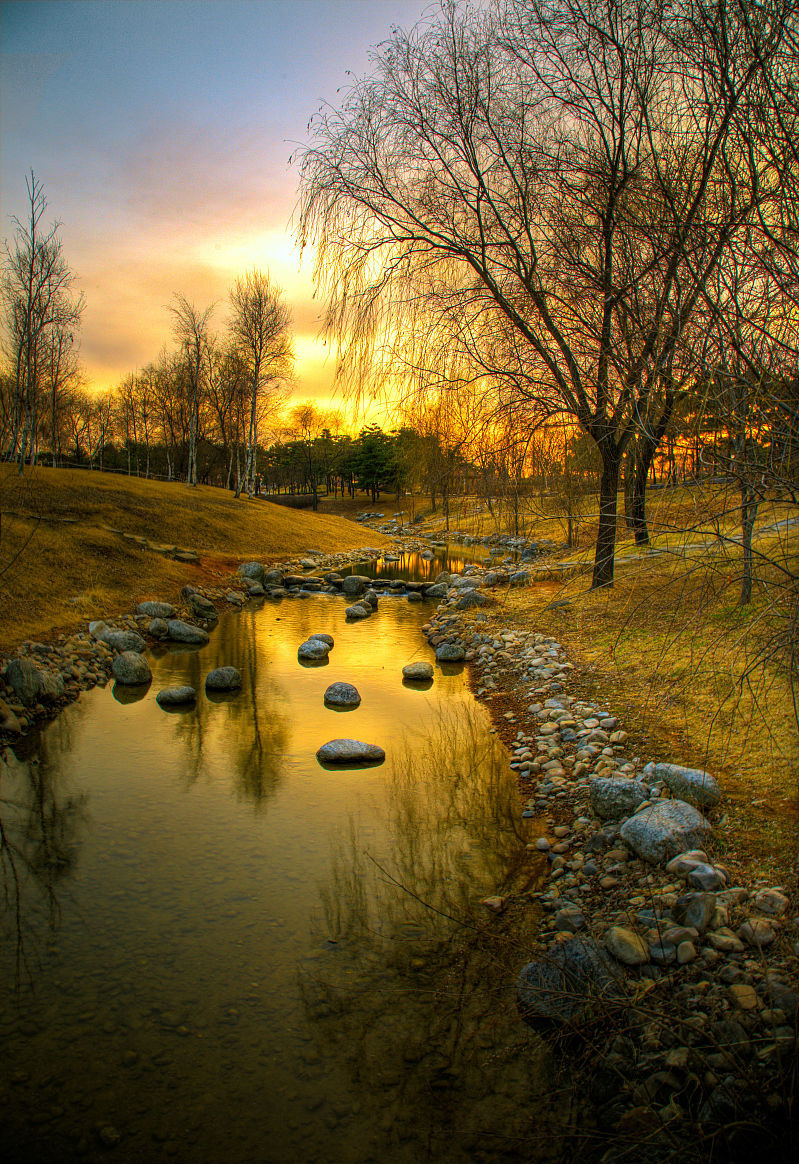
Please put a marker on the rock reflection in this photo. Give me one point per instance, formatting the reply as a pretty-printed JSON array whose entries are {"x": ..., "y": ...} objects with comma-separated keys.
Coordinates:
[{"x": 414, "y": 993}]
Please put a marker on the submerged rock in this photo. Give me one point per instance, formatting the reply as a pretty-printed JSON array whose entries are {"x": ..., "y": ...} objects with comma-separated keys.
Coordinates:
[{"x": 350, "y": 752}]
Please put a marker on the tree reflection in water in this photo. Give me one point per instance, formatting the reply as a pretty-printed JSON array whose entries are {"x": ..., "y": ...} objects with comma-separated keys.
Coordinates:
[
  {"x": 42, "y": 824},
  {"x": 417, "y": 994}
]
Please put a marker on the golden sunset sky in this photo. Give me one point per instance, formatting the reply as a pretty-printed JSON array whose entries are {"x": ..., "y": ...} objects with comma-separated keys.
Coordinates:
[{"x": 161, "y": 131}]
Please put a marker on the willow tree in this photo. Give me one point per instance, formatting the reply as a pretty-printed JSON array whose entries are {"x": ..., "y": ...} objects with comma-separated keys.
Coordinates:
[
  {"x": 260, "y": 329},
  {"x": 541, "y": 188}
]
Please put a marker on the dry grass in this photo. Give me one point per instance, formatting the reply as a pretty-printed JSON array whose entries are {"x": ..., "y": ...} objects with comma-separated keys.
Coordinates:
[
  {"x": 61, "y": 562},
  {"x": 696, "y": 678}
]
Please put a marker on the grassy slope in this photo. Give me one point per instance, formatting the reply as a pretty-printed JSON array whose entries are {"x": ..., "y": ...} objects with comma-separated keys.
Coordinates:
[
  {"x": 697, "y": 679},
  {"x": 69, "y": 567}
]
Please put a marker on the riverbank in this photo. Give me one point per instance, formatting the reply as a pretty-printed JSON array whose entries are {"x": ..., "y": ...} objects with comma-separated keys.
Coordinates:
[{"x": 671, "y": 970}]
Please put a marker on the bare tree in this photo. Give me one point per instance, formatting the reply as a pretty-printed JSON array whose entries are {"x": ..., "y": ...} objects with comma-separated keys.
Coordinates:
[
  {"x": 190, "y": 326},
  {"x": 42, "y": 316},
  {"x": 545, "y": 187},
  {"x": 259, "y": 325}
]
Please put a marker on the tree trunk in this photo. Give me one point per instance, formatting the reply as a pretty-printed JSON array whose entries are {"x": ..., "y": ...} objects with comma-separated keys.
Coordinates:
[
  {"x": 606, "y": 535},
  {"x": 749, "y": 506}
]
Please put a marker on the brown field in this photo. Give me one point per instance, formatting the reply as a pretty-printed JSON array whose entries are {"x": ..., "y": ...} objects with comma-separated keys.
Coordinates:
[{"x": 61, "y": 561}]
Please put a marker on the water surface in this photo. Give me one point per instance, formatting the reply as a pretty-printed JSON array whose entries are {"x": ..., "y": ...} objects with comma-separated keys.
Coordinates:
[{"x": 216, "y": 950}]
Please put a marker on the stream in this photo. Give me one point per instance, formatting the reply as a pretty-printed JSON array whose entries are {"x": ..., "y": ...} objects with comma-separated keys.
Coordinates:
[{"x": 215, "y": 949}]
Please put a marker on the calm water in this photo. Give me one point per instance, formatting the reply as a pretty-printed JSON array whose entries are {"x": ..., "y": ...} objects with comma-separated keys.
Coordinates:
[
  {"x": 216, "y": 950},
  {"x": 414, "y": 567}
]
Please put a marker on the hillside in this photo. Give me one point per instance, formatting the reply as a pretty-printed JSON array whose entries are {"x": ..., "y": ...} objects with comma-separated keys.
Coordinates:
[{"x": 75, "y": 544}]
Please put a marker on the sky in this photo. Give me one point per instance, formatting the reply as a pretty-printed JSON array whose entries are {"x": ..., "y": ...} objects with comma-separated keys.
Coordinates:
[{"x": 161, "y": 131}]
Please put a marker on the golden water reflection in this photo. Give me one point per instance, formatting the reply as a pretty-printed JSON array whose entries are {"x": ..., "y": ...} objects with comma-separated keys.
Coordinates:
[{"x": 235, "y": 955}]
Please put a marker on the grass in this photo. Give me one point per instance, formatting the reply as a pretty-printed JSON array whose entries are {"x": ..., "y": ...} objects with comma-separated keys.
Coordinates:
[
  {"x": 696, "y": 678},
  {"x": 62, "y": 562}
]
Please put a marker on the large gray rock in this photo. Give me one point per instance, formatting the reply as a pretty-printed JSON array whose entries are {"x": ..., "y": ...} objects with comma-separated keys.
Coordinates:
[
  {"x": 253, "y": 570},
  {"x": 562, "y": 985},
  {"x": 184, "y": 632},
  {"x": 32, "y": 685},
  {"x": 614, "y": 797},
  {"x": 342, "y": 695},
  {"x": 664, "y": 830},
  {"x": 418, "y": 670},
  {"x": 203, "y": 607},
  {"x": 326, "y": 638},
  {"x": 350, "y": 752},
  {"x": 175, "y": 696},
  {"x": 123, "y": 640},
  {"x": 450, "y": 653},
  {"x": 473, "y": 598},
  {"x": 156, "y": 609},
  {"x": 358, "y": 610},
  {"x": 692, "y": 784},
  {"x": 313, "y": 649},
  {"x": 157, "y": 628},
  {"x": 355, "y": 584},
  {"x": 223, "y": 679},
  {"x": 272, "y": 578},
  {"x": 436, "y": 590},
  {"x": 131, "y": 669}
]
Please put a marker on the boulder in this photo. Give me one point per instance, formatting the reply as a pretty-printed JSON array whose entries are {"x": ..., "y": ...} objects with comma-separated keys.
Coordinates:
[
  {"x": 123, "y": 640},
  {"x": 371, "y": 597},
  {"x": 354, "y": 584},
  {"x": 313, "y": 649},
  {"x": 32, "y": 685},
  {"x": 420, "y": 670},
  {"x": 562, "y": 985},
  {"x": 256, "y": 590},
  {"x": 131, "y": 669},
  {"x": 272, "y": 578},
  {"x": 203, "y": 607},
  {"x": 626, "y": 946},
  {"x": 665, "y": 829},
  {"x": 358, "y": 610},
  {"x": 325, "y": 638},
  {"x": 184, "y": 632},
  {"x": 252, "y": 570},
  {"x": 158, "y": 628},
  {"x": 9, "y": 722},
  {"x": 694, "y": 909},
  {"x": 350, "y": 752},
  {"x": 436, "y": 590},
  {"x": 342, "y": 695},
  {"x": 450, "y": 653},
  {"x": 223, "y": 679},
  {"x": 615, "y": 797},
  {"x": 691, "y": 784},
  {"x": 175, "y": 696},
  {"x": 156, "y": 610},
  {"x": 473, "y": 598}
]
